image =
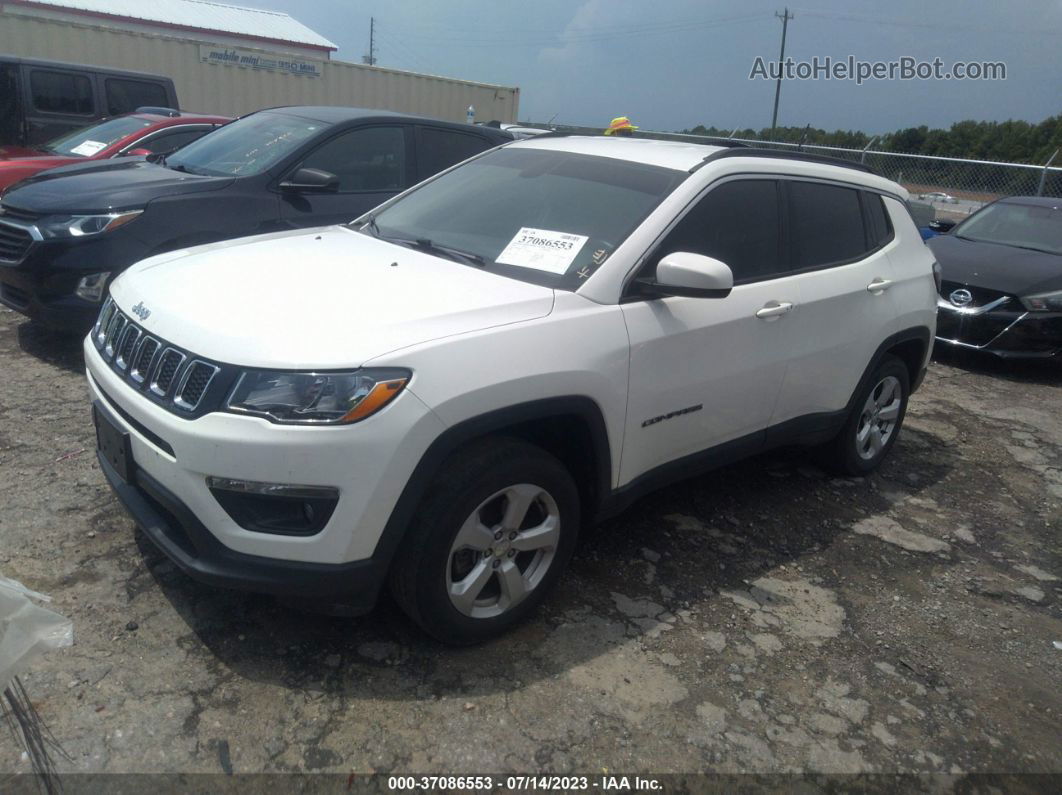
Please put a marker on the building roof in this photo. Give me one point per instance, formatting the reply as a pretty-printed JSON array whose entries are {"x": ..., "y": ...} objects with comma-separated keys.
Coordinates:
[{"x": 199, "y": 15}]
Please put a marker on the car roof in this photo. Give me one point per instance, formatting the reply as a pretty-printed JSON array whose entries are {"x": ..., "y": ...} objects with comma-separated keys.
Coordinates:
[
  {"x": 675, "y": 155},
  {"x": 1036, "y": 201},
  {"x": 335, "y": 114},
  {"x": 183, "y": 118},
  {"x": 5, "y": 58},
  {"x": 683, "y": 156}
]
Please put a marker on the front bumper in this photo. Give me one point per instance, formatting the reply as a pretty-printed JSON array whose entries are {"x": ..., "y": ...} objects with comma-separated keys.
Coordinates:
[
  {"x": 176, "y": 531},
  {"x": 369, "y": 463},
  {"x": 41, "y": 283},
  {"x": 1006, "y": 330}
]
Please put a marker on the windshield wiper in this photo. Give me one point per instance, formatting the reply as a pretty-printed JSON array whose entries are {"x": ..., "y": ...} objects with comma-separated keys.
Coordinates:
[{"x": 456, "y": 254}]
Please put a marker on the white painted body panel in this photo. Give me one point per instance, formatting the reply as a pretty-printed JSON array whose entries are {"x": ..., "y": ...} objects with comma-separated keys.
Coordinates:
[
  {"x": 477, "y": 342},
  {"x": 319, "y": 298},
  {"x": 703, "y": 351}
]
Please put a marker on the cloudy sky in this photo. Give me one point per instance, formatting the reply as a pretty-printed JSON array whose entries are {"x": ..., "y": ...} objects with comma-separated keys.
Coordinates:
[{"x": 671, "y": 64}]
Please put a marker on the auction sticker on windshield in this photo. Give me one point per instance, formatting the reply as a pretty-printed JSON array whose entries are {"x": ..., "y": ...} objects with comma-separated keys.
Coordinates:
[
  {"x": 542, "y": 250},
  {"x": 88, "y": 148}
]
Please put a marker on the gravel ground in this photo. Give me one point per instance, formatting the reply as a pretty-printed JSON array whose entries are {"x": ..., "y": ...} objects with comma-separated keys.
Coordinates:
[{"x": 765, "y": 617}]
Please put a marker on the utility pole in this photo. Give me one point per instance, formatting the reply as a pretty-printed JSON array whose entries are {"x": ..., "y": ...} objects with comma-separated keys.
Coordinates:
[
  {"x": 370, "y": 59},
  {"x": 785, "y": 17}
]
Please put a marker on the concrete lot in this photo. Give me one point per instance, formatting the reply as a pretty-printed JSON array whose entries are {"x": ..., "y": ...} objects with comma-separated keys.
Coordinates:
[{"x": 764, "y": 617}]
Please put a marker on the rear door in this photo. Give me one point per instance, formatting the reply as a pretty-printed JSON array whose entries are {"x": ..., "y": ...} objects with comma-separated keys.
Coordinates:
[
  {"x": 707, "y": 371},
  {"x": 838, "y": 242},
  {"x": 57, "y": 100},
  {"x": 438, "y": 148},
  {"x": 373, "y": 163}
]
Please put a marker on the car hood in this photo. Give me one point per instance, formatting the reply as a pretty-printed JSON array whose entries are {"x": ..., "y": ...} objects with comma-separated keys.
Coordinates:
[
  {"x": 103, "y": 185},
  {"x": 1008, "y": 269},
  {"x": 317, "y": 299},
  {"x": 19, "y": 151}
]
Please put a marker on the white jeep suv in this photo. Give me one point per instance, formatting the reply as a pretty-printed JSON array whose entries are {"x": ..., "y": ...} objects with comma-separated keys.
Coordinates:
[{"x": 441, "y": 393}]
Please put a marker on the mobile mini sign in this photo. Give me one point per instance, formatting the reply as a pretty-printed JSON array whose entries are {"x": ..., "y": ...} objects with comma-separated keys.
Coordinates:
[{"x": 232, "y": 56}]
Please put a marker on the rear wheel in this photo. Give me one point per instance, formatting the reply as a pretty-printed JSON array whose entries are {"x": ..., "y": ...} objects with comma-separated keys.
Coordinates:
[
  {"x": 489, "y": 541},
  {"x": 873, "y": 424}
]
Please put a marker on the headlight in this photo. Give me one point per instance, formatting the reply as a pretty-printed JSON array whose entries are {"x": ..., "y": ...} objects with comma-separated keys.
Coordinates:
[
  {"x": 1045, "y": 302},
  {"x": 60, "y": 226},
  {"x": 316, "y": 398}
]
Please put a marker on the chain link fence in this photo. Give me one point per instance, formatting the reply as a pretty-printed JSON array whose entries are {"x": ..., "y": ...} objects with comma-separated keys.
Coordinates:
[{"x": 948, "y": 188}]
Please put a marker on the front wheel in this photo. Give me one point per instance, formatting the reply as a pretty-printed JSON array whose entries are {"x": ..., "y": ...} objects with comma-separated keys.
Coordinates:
[
  {"x": 873, "y": 423},
  {"x": 489, "y": 541}
]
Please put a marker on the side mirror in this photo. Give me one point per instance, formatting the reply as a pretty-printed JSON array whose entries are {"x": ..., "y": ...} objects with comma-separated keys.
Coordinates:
[
  {"x": 311, "y": 180},
  {"x": 690, "y": 275},
  {"x": 942, "y": 226},
  {"x": 140, "y": 152}
]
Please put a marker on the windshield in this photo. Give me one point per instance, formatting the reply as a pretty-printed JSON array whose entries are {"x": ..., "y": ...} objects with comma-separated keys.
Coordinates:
[
  {"x": 89, "y": 140},
  {"x": 537, "y": 215},
  {"x": 1025, "y": 225},
  {"x": 247, "y": 146}
]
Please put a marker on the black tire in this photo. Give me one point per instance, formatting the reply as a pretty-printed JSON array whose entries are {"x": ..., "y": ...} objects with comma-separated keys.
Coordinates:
[
  {"x": 842, "y": 455},
  {"x": 424, "y": 564}
]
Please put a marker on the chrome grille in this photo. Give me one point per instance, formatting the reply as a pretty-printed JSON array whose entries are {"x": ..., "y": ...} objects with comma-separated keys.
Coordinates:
[
  {"x": 172, "y": 377},
  {"x": 165, "y": 371},
  {"x": 194, "y": 383},
  {"x": 126, "y": 345},
  {"x": 142, "y": 360}
]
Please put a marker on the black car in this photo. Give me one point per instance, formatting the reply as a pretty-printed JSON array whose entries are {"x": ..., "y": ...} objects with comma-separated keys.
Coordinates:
[
  {"x": 1002, "y": 279},
  {"x": 66, "y": 233}
]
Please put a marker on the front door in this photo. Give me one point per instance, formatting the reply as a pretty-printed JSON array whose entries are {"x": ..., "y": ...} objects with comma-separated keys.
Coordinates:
[
  {"x": 707, "y": 371},
  {"x": 372, "y": 164}
]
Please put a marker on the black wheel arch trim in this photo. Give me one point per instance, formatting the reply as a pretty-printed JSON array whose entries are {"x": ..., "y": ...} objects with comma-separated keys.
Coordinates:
[{"x": 584, "y": 408}]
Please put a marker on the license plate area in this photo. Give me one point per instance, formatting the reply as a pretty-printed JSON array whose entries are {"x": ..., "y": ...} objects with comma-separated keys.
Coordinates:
[{"x": 113, "y": 444}]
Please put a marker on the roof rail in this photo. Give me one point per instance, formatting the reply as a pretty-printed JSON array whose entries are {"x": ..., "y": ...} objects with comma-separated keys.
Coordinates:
[{"x": 750, "y": 151}]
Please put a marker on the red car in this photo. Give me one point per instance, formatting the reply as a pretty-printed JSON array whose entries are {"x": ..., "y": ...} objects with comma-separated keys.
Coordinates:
[{"x": 148, "y": 131}]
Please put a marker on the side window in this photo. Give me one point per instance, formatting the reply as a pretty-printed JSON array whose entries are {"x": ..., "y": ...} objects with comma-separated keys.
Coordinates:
[
  {"x": 372, "y": 158},
  {"x": 125, "y": 96},
  {"x": 167, "y": 142},
  {"x": 737, "y": 223},
  {"x": 61, "y": 92},
  {"x": 438, "y": 149},
  {"x": 879, "y": 230},
  {"x": 10, "y": 118},
  {"x": 825, "y": 223}
]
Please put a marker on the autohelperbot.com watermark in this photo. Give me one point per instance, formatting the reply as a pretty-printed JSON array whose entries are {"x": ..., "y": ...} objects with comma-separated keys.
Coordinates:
[{"x": 851, "y": 68}]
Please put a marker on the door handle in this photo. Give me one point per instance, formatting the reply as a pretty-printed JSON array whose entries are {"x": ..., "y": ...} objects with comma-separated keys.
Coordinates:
[
  {"x": 878, "y": 286},
  {"x": 774, "y": 309}
]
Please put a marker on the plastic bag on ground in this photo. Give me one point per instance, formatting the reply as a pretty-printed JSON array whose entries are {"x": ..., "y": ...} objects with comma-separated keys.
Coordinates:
[{"x": 27, "y": 630}]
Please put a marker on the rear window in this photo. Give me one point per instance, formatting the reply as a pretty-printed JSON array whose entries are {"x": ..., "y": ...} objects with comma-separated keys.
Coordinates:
[
  {"x": 825, "y": 225},
  {"x": 61, "y": 92},
  {"x": 125, "y": 96},
  {"x": 439, "y": 149}
]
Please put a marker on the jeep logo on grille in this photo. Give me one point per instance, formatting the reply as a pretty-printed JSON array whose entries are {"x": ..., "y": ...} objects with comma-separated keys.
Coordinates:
[
  {"x": 959, "y": 297},
  {"x": 141, "y": 311}
]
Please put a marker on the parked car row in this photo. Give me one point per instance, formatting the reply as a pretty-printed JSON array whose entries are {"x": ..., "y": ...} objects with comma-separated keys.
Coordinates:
[{"x": 67, "y": 232}]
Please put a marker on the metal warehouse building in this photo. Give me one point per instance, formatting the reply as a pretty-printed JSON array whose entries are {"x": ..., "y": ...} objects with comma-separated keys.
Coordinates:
[{"x": 232, "y": 60}]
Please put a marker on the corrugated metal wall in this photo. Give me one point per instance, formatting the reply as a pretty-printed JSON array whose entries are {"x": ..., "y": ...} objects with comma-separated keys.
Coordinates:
[{"x": 234, "y": 90}]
